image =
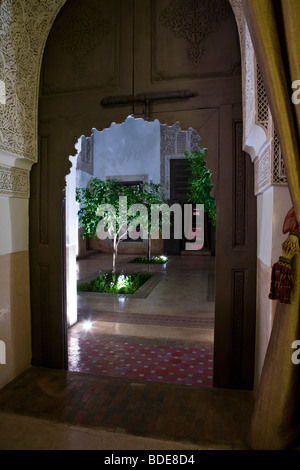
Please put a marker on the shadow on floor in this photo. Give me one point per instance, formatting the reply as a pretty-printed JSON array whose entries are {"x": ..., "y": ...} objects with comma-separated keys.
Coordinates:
[{"x": 208, "y": 418}]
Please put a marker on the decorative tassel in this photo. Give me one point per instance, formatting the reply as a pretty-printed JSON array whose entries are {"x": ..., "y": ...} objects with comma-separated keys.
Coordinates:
[
  {"x": 291, "y": 245},
  {"x": 281, "y": 280},
  {"x": 282, "y": 276}
]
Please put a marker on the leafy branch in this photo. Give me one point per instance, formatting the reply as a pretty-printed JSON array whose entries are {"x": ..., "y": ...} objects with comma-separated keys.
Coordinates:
[{"x": 200, "y": 186}]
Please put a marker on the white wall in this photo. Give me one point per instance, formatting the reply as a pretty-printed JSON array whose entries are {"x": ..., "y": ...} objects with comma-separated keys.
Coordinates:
[
  {"x": 272, "y": 207},
  {"x": 265, "y": 206},
  {"x": 130, "y": 148},
  {"x": 71, "y": 243},
  {"x": 14, "y": 225}
]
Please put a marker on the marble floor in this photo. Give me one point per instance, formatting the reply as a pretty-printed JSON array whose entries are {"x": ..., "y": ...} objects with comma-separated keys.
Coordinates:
[{"x": 164, "y": 334}]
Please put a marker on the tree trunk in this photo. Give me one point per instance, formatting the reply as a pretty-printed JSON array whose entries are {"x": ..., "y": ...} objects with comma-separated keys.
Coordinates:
[
  {"x": 149, "y": 247},
  {"x": 115, "y": 252}
]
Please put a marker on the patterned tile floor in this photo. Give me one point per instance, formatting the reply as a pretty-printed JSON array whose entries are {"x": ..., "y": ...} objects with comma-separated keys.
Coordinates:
[
  {"x": 166, "y": 333},
  {"x": 142, "y": 359}
]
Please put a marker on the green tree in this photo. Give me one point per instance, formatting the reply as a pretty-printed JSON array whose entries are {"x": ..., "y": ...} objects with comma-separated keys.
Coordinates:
[
  {"x": 200, "y": 186},
  {"x": 102, "y": 212}
]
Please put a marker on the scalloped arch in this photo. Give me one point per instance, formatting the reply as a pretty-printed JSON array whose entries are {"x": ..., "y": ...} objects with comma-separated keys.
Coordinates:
[{"x": 26, "y": 24}]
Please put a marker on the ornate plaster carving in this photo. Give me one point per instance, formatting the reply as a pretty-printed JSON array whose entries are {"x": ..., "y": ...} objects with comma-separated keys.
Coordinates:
[
  {"x": 249, "y": 85},
  {"x": 248, "y": 69},
  {"x": 269, "y": 166},
  {"x": 194, "y": 21},
  {"x": 255, "y": 138},
  {"x": 263, "y": 115},
  {"x": 259, "y": 135},
  {"x": 262, "y": 165},
  {"x": 14, "y": 182},
  {"x": 278, "y": 169},
  {"x": 273, "y": 166},
  {"x": 24, "y": 27}
]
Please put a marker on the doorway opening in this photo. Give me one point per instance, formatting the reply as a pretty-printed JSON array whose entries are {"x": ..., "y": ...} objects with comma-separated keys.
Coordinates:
[
  {"x": 137, "y": 55},
  {"x": 165, "y": 333}
]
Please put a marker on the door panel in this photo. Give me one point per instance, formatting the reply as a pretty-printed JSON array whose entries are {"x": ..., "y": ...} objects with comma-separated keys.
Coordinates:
[
  {"x": 88, "y": 55},
  {"x": 92, "y": 42},
  {"x": 180, "y": 172},
  {"x": 235, "y": 308},
  {"x": 186, "y": 46}
]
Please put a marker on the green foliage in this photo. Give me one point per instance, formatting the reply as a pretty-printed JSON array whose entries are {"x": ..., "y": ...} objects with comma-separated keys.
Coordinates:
[
  {"x": 108, "y": 192},
  {"x": 103, "y": 212},
  {"x": 104, "y": 192},
  {"x": 153, "y": 194},
  {"x": 200, "y": 186},
  {"x": 111, "y": 283}
]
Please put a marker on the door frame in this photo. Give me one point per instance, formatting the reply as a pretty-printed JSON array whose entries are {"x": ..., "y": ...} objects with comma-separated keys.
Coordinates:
[
  {"x": 48, "y": 267},
  {"x": 47, "y": 250}
]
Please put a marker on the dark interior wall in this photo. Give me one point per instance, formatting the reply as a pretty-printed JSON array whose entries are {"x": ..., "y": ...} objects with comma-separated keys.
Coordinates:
[{"x": 100, "y": 48}]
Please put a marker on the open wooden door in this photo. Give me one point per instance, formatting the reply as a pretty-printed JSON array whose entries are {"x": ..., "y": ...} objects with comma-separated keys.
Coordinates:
[
  {"x": 235, "y": 309},
  {"x": 88, "y": 54}
]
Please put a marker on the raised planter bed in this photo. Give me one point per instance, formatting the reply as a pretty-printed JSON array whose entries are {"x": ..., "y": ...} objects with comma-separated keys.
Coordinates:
[{"x": 142, "y": 284}]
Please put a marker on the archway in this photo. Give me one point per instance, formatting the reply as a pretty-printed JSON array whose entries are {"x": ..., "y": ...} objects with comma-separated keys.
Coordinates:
[
  {"x": 66, "y": 113},
  {"x": 164, "y": 331}
]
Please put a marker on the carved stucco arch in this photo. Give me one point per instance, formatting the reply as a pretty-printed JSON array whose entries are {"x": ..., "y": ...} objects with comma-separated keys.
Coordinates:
[{"x": 24, "y": 27}]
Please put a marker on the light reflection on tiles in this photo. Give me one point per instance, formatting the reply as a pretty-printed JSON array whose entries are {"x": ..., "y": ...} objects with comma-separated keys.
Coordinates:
[{"x": 166, "y": 337}]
